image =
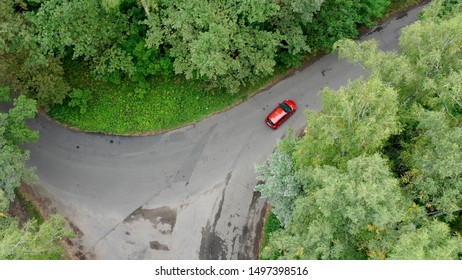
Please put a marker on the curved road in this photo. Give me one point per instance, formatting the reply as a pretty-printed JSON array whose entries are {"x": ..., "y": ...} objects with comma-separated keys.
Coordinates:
[{"x": 186, "y": 194}]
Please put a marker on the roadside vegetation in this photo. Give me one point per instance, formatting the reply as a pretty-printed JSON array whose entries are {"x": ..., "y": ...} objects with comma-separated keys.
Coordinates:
[
  {"x": 35, "y": 238},
  {"x": 155, "y": 65},
  {"x": 378, "y": 174}
]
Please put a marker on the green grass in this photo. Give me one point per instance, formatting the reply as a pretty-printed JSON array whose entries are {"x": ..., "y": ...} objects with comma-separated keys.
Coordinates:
[
  {"x": 128, "y": 109},
  {"x": 32, "y": 212},
  {"x": 272, "y": 224}
]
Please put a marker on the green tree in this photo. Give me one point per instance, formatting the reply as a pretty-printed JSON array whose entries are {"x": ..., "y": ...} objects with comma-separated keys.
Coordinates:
[
  {"x": 393, "y": 69},
  {"x": 228, "y": 43},
  {"x": 435, "y": 159},
  {"x": 81, "y": 27},
  {"x": 433, "y": 53},
  {"x": 339, "y": 19},
  {"x": 355, "y": 120},
  {"x": 432, "y": 241},
  {"x": 430, "y": 55},
  {"x": 13, "y": 131},
  {"x": 341, "y": 212},
  {"x": 32, "y": 242},
  {"x": 22, "y": 65},
  {"x": 290, "y": 21},
  {"x": 278, "y": 182},
  {"x": 352, "y": 207},
  {"x": 448, "y": 94}
]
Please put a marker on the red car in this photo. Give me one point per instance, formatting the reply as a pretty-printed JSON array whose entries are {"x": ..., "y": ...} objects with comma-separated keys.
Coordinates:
[{"x": 282, "y": 112}]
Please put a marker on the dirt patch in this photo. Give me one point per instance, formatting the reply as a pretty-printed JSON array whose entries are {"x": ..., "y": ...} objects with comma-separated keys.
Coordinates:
[
  {"x": 163, "y": 219},
  {"x": 155, "y": 245},
  {"x": 45, "y": 210},
  {"x": 41, "y": 204},
  {"x": 18, "y": 209},
  {"x": 260, "y": 232}
]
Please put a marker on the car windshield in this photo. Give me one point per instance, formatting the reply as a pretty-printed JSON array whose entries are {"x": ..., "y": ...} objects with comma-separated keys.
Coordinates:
[
  {"x": 269, "y": 121},
  {"x": 286, "y": 108}
]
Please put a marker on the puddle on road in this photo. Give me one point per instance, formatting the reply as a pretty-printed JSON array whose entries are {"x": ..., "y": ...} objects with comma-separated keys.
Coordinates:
[{"x": 163, "y": 219}]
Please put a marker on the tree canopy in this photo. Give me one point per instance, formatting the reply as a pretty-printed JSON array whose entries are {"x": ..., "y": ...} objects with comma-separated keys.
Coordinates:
[
  {"x": 381, "y": 164},
  {"x": 279, "y": 182},
  {"x": 355, "y": 120},
  {"x": 13, "y": 131},
  {"x": 341, "y": 211},
  {"x": 225, "y": 44}
]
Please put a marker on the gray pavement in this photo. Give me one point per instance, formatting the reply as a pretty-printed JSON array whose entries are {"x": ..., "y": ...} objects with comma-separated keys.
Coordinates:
[{"x": 186, "y": 194}]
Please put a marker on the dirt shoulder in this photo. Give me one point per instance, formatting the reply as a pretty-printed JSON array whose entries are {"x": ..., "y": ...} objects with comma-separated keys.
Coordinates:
[{"x": 20, "y": 210}]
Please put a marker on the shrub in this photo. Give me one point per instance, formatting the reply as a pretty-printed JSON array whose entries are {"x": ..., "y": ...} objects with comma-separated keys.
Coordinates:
[{"x": 80, "y": 99}]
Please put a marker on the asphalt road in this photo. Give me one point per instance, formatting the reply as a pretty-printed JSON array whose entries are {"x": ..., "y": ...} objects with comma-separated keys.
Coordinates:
[{"x": 186, "y": 194}]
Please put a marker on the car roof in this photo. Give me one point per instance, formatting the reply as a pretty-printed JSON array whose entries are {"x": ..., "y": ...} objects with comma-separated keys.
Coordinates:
[{"x": 277, "y": 114}]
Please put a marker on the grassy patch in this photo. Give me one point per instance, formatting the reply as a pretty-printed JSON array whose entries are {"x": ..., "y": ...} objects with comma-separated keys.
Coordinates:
[
  {"x": 28, "y": 208},
  {"x": 400, "y": 5},
  {"x": 272, "y": 224},
  {"x": 126, "y": 108}
]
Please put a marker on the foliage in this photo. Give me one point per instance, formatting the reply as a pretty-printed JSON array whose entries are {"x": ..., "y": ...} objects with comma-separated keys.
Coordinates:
[
  {"x": 4, "y": 203},
  {"x": 435, "y": 160},
  {"x": 290, "y": 21},
  {"x": 355, "y": 120},
  {"x": 429, "y": 61},
  {"x": 42, "y": 82},
  {"x": 399, "y": 5},
  {"x": 22, "y": 66},
  {"x": 30, "y": 210},
  {"x": 441, "y": 9},
  {"x": 352, "y": 207},
  {"x": 13, "y": 171},
  {"x": 428, "y": 72},
  {"x": 148, "y": 62},
  {"x": 434, "y": 53},
  {"x": 128, "y": 109},
  {"x": 112, "y": 64},
  {"x": 80, "y": 99},
  {"x": 341, "y": 211},
  {"x": 279, "y": 184},
  {"x": 16, "y": 131},
  {"x": 13, "y": 131},
  {"x": 390, "y": 67},
  {"x": 225, "y": 44},
  {"x": 448, "y": 97},
  {"x": 62, "y": 24},
  {"x": 131, "y": 57},
  {"x": 272, "y": 224},
  {"x": 433, "y": 241},
  {"x": 228, "y": 43},
  {"x": 32, "y": 242},
  {"x": 339, "y": 19}
]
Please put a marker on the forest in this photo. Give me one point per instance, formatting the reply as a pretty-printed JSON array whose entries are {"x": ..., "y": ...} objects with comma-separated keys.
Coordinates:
[
  {"x": 103, "y": 65},
  {"x": 377, "y": 175}
]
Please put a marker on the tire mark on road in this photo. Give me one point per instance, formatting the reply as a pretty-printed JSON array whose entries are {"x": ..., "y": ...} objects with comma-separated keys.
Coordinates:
[{"x": 186, "y": 170}]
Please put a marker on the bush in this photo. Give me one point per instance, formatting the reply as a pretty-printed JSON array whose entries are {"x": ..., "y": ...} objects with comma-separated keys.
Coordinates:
[
  {"x": 80, "y": 99},
  {"x": 339, "y": 19}
]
